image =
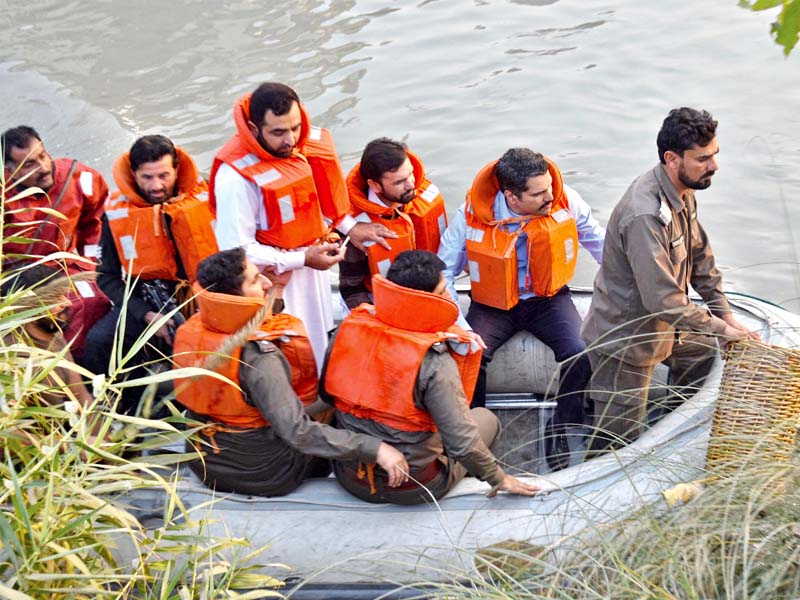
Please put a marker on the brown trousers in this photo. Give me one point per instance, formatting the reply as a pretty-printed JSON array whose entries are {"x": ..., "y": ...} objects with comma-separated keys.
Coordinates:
[
  {"x": 431, "y": 483},
  {"x": 619, "y": 389}
]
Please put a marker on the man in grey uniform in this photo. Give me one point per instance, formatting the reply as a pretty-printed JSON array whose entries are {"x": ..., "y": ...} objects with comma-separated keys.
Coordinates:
[{"x": 641, "y": 314}]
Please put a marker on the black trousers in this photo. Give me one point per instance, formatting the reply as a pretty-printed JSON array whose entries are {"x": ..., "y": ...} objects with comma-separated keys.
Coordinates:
[{"x": 556, "y": 322}]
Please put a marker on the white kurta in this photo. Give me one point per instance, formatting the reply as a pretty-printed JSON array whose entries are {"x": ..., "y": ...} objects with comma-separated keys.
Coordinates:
[{"x": 307, "y": 296}]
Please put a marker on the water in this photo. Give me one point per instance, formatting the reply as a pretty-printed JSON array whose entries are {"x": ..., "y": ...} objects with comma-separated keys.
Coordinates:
[{"x": 587, "y": 83}]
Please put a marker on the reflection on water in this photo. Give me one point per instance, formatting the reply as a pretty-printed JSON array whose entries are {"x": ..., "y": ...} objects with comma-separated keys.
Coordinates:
[{"x": 587, "y": 83}]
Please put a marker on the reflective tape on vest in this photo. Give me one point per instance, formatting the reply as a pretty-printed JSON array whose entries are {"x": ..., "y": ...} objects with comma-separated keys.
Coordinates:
[
  {"x": 561, "y": 215},
  {"x": 85, "y": 181},
  {"x": 383, "y": 266},
  {"x": 90, "y": 250},
  {"x": 248, "y": 160},
  {"x": 569, "y": 250},
  {"x": 475, "y": 235},
  {"x": 429, "y": 195},
  {"x": 202, "y": 196},
  {"x": 286, "y": 208},
  {"x": 474, "y": 271},
  {"x": 117, "y": 213},
  {"x": 266, "y": 177},
  {"x": 315, "y": 133},
  {"x": 128, "y": 247}
]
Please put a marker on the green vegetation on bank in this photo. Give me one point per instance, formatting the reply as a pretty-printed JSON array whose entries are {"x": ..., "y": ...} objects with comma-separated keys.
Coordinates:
[
  {"x": 67, "y": 528},
  {"x": 787, "y": 24}
]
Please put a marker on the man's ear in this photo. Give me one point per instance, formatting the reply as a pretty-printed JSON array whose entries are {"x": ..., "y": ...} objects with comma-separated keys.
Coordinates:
[
  {"x": 671, "y": 159},
  {"x": 253, "y": 128},
  {"x": 374, "y": 186},
  {"x": 511, "y": 197}
]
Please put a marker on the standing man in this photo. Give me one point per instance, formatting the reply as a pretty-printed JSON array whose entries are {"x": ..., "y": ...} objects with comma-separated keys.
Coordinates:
[
  {"x": 655, "y": 249},
  {"x": 389, "y": 187},
  {"x": 414, "y": 370},
  {"x": 262, "y": 441},
  {"x": 518, "y": 236},
  {"x": 277, "y": 190},
  {"x": 69, "y": 187},
  {"x": 155, "y": 231}
]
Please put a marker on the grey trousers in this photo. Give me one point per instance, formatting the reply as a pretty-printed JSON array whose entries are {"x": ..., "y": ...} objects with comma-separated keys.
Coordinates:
[{"x": 619, "y": 389}]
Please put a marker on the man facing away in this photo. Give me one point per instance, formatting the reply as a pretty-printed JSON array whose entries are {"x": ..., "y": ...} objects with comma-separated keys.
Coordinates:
[
  {"x": 277, "y": 190},
  {"x": 641, "y": 314},
  {"x": 156, "y": 229},
  {"x": 389, "y": 186},
  {"x": 262, "y": 441},
  {"x": 402, "y": 371},
  {"x": 518, "y": 236},
  {"x": 69, "y": 187}
]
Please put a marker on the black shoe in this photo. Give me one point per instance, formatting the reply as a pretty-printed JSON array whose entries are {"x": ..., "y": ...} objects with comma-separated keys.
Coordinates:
[{"x": 556, "y": 447}]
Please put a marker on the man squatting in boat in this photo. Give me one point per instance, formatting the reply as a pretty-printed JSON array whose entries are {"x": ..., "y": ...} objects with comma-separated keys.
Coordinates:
[
  {"x": 641, "y": 313},
  {"x": 415, "y": 370},
  {"x": 517, "y": 235}
]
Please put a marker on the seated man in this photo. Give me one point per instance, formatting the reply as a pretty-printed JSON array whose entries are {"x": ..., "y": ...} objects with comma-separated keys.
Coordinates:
[
  {"x": 655, "y": 249},
  {"x": 518, "y": 234},
  {"x": 263, "y": 442},
  {"x": 156, "y": 229},
  {"x": 77, "y": 192},
  {"x": 389, "y": 187},
  {"x": 403, "y": 371}
]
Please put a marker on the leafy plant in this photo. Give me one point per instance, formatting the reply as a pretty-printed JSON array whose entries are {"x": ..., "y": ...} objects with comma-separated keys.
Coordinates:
[{"x": 787, "y": 25}]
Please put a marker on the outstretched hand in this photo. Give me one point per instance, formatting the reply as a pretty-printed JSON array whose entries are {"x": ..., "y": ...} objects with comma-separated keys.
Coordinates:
[
  {"x": 512, "y": 485},
  {"x": 370, "y": 232},
  {"x": 737, "y": 331},
  {"x": 394, "y": 463}
]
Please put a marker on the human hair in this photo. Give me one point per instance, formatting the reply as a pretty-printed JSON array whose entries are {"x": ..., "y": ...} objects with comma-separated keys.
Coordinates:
[
  {"x": 274, "y": 96},
  {"x": 381, "y": 156},
  {"x": 150, "y": 148},
  {"x": 27, "y": 278},
  {"x": 223, "y": 272},
  {"x": 683, "y": 129},
  {"x": 516, "y": 166},
  {"x": 416, "y": 269},
  {"x": 20, "y": 137}
]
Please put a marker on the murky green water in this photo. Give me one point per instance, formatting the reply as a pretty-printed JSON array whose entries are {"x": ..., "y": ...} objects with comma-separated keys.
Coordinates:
[{"x": 586, "y": 82}]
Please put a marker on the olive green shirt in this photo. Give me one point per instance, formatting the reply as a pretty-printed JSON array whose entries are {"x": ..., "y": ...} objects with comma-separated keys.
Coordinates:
[{"x": 655, "y": 248}]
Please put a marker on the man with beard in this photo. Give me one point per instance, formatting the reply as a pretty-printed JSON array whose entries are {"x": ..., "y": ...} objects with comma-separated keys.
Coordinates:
[
  {"x": 156, "y": 229},
  {"x": 517, "y": 235},
  {"x": 277, "y": 190},
  {"x": 641, "y": 314},
  {"x": 29, "y": 232},
  {"x": 389, "y": 187}
]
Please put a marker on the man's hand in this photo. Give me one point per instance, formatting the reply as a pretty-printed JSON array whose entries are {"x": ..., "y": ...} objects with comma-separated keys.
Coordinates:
[
  {"x": 163, "y": 331},
  {"x": 370, "y": 232},
  {"x": 394, "y": 463},
  {"x": 276, "y": 278},
  {"x": 512, "y": 485},
  {"x": 476, "y": 338},
  {"x": 737, "y": 331},
  {"x": 323, "y": 256}
]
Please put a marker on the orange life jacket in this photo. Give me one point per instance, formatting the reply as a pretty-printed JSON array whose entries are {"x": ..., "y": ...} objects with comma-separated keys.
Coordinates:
[
  {"x": 220, "y": 316},
  {"x": 140, "y": 229},
  {"x": 299, "y": 192},
  {"x": 492, "y": 254},
  {"x": 375, "y": 360},
  {"x": 84, "y": 193},
  {"x": 419, "y": 224}
]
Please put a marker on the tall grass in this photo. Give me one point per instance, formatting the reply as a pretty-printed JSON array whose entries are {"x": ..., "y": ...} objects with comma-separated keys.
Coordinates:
[{"x": 67, "y": 470}]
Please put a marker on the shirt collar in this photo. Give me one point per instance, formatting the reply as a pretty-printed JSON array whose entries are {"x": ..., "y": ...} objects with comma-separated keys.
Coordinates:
[{"x": 669, "y": 190}]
